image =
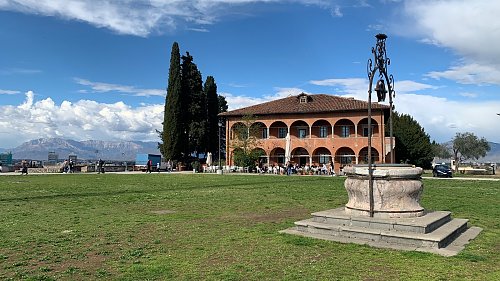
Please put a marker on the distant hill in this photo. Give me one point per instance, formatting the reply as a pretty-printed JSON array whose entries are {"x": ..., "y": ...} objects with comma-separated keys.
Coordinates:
[
  {"x": 91, "y": 149},
  {"x": 122, "y": 150},
  {"x": 493, "y": 155}
]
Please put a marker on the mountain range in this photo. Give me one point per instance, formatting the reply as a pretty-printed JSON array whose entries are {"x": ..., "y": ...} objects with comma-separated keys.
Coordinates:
[
  {"x": 121, "y": 150},
  {"x": 493, "y": 155},
  {"x": 90, "y": 149}
]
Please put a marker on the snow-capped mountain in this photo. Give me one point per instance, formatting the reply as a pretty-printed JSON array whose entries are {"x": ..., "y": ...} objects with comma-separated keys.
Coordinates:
[{"x": 90, "y": 149}]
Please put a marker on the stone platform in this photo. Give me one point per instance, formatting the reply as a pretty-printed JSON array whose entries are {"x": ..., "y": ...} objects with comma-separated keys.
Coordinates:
[{"x": 435, "y": 232}]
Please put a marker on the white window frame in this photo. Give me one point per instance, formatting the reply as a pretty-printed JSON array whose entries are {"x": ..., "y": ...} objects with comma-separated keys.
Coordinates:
[
  {"x": 345, "y": 129},
  {"x": 323, "y": 131}
]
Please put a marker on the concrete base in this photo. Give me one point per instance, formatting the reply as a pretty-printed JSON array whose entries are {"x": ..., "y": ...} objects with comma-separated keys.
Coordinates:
[
  {"x": 219, "y": 172},
  {"x": 434, "y": 232}
]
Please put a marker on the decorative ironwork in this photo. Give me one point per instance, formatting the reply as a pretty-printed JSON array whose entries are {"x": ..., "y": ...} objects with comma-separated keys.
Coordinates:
[{"x": 379, "y": 64}]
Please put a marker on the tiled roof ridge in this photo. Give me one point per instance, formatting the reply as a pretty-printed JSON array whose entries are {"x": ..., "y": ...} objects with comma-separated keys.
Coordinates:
[{"x": 317, "y": 103}]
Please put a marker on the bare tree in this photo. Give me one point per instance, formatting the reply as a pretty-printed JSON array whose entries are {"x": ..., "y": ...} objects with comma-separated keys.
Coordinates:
[{"x": 245, "y": 141}]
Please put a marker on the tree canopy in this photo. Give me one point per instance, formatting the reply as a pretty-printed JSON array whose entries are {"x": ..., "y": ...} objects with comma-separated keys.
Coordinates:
[
  {"x": 192, "y": 88},
  {"x": 222, "y": 108},
  {"x": 441, "y": 150},
  {"x": 210, "y": 89},
  {"x": 172, "y": 144},
  {"x": 190, "y": 120},
  {"x": 468, "y": 146}
]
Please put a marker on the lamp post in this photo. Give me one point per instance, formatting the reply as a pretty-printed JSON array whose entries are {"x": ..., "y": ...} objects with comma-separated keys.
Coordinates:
[
  {"x": 379, "y": 64},
  {"x": 220, "y": 127}
]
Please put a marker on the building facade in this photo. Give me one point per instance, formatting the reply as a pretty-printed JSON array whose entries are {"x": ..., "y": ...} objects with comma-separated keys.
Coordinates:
[{"x": 310, "y": 130}]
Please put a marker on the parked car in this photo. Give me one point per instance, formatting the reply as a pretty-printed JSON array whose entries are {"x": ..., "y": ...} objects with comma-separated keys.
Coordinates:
[{"x": 442, "y": 171}]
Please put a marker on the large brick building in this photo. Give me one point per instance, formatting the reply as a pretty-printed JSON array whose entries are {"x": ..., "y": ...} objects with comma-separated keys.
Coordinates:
[{"x": 322, "y": 128}]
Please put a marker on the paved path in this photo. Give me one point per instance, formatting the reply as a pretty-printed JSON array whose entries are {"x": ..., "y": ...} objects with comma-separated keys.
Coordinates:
[{"x": 464, "y": 178}]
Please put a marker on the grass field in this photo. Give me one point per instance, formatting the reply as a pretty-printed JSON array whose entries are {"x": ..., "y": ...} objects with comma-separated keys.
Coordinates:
[{"x": 210, "y": 227}]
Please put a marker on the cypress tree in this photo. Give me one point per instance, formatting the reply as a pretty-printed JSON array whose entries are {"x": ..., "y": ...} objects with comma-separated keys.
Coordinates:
[
  {"x": 210, "y": 89},
  {"x": 222, "y": 104},
  {"x": 174, "y": 115},
  {"x": 196, "y": 120}
]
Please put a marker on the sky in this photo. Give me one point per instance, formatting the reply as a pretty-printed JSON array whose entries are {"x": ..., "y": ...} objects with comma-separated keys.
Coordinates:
[{"x": 98, "y": 69}]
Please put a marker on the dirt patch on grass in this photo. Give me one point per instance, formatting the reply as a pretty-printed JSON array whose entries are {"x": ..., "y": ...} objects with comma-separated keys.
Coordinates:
[{"x": 163, "y": 212}]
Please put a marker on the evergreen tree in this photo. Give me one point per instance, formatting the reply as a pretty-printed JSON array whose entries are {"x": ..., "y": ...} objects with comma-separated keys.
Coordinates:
[
  {"x": 210, "y": 89},
  {"x": 171, "y": 136},
  {"x": 413, "y": 144},
  {"x": 190, "y": 122},
  {"x": 196, "y": 120},
  {"x": 222, "y": 104},
  {"x": 222, "y": 108}
]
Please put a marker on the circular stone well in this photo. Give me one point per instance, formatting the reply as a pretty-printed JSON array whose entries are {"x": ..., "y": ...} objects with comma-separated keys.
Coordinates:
[{"x": 396, "y": 191}]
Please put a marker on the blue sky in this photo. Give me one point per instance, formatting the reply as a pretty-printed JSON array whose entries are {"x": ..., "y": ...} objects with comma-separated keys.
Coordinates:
[{"x": 97, "y": 69}]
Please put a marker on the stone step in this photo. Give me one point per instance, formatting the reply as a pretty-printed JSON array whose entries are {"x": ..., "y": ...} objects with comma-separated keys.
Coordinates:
[
  {"x": 459, "y": 243},
  {"x": 424, "y": 224},
  {"x": 449, "y": 231},
  {"x": 436, "y": 239}
]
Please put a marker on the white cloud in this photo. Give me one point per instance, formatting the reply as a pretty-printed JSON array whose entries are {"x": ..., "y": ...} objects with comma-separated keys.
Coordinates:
[
  {"x": 440, "y": 117},
  {"x": 408, "y": 86},
  {"x": 353, "y": 86},
  {"x": 470, "y": 28},
  {"x": 11, "y": 71},
  {"x": 469, "y": 95},
  {"x": 99, "y": 87},
  {"x": 8, "y": 92},
  {"x": 198, "y": 29},
  {"x": 86, "y": 119},
  {"x": 336, "y": 12},
  {"x": 81, "y": 120},
  {"x": 474, "y": 73},
  {"x": 356, "y": 86},
  {"x": 236, "y": 102},
  {"x": 141, "y": 17}
]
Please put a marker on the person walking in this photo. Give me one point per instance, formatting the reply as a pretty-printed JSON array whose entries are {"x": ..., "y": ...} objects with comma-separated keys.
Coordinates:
[
  {"x": 24, "y": 169},
  {"x": 100, "y": 166},
  {"x": 169, "y": 166},
  {"x": 158, "y": 167},
  {"x": 148, "y": 166},
  {"x": 289, "y": 168},
  {"x": 332, "y": 169}
]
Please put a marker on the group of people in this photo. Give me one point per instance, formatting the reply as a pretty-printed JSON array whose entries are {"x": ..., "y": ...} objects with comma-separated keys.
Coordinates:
[
  {"x": 68, "y": 166},
  {"x": 291, "y": 168},
  {"x": 168, "y": 166}
]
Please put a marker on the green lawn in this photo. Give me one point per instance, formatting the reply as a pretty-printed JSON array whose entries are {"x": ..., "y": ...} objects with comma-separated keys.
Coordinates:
[{"x": 210, "y": 227}]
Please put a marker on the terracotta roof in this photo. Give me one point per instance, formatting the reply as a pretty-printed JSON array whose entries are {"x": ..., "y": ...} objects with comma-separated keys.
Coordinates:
[{"x": 315, "y": 104}]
